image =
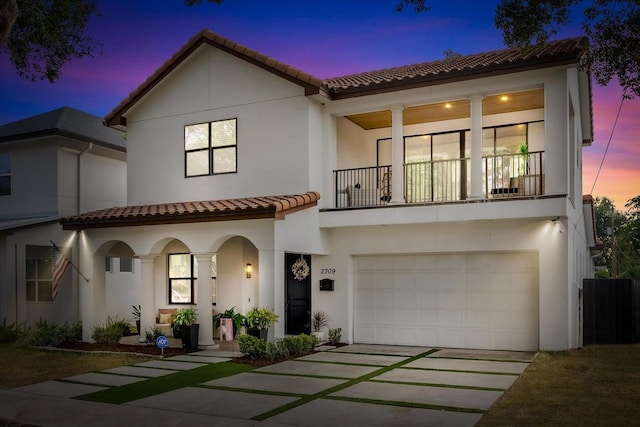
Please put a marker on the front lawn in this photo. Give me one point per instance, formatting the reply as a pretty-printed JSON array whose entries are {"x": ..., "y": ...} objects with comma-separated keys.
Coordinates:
[
  {"x": 23, "y": 365},
  {"x": 596, "y": 385}
]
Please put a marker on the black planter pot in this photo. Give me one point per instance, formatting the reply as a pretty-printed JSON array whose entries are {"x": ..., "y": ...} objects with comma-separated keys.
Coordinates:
[
  {"x": 176, "y": 331},
  {"x": 189, "y": 336},
  {"x": 258, "y": 333}
]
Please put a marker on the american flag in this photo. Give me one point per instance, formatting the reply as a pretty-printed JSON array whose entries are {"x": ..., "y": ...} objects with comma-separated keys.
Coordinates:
[{"x": 60, "y": 267}]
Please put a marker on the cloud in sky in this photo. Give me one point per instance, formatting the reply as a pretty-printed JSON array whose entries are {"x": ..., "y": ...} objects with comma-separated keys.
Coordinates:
[{"x": 327, "y": 39}]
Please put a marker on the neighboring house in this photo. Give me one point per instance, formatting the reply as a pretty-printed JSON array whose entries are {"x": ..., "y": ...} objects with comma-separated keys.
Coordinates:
[
  {"x": 59, "y": 163},
  {"x": 437, "y": 204}
]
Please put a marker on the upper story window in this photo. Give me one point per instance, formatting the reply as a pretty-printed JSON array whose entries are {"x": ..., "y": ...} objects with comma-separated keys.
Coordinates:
[
  {"x": 5, "y": 174},
  {"x": 210, "y": 148}
]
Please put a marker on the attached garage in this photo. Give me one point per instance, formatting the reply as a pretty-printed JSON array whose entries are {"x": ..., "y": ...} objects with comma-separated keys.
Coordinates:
[{"x": 468, "y": 300}]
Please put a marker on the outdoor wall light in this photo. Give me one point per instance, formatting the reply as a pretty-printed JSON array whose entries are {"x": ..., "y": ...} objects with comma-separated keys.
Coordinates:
[
  {"x": 248, "y": 270},
  {"x": 557, "y": 224}
]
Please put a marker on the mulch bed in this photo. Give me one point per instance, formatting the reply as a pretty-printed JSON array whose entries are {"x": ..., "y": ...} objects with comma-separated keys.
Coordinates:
[
  {"x": 149, "y": 350},
  {"x": 152, "y": 350}
]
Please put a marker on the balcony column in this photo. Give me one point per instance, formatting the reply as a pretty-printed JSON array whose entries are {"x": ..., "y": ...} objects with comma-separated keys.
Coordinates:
[
  {"x": 205, "y": 302},
  {"x": 147, "y": 294},
  {"x": 476, "y": 147},
  {"x": 397, "y": 155}
]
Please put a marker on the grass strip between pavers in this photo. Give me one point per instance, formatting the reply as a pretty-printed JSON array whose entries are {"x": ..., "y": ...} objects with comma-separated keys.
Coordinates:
[
  {"x": 331, "y": 362},
  {"x": 462, "y": 371},
  {"x": 179, "y": 379},
  {"x": 348, "y": 383},
  {"x": 407, "y": 404},
  {"x": 464, "y": 387}
]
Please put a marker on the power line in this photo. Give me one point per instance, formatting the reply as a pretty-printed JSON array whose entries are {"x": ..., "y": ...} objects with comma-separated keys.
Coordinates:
[{"x": 624, "y": 94}]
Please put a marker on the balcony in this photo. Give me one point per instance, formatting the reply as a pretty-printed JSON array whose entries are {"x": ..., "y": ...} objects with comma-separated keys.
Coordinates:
[{"x": 441, "y": 181}]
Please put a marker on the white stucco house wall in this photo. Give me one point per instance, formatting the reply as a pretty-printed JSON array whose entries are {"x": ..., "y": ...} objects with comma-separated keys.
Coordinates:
[
  {"x": 63, "y": 162},
  {"x": 437, "y": 204}
]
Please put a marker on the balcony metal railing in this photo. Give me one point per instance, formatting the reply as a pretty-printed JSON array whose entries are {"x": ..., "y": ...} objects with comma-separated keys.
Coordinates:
[
  {"x": 362, "y": 186},
  {"x": 513, "y": 175},
  {"x": 508, "y": 175},
  {"x": 436, "y": 181}
]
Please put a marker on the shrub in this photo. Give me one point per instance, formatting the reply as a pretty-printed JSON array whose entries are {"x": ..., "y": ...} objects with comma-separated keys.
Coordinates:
[
  {"x": 335, "y": 335},
  {"x": 258, "y": 349},
  {"x": 294, "y": 344},
  {"x": 74, "y": 331},
  {"x": 273, "y": 351},
  {"x": 309, "y": 342},
  {"x": 152, "y": 334},
  {"x": 10, "y": 332},
  {"x": 111, "y": 333},
  {"x": 44, "y": 334},
  {"x": 253, "y": 347}
]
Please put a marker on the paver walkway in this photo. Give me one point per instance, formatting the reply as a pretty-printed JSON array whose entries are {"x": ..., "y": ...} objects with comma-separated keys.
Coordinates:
[{"x": 356, "y": 384}]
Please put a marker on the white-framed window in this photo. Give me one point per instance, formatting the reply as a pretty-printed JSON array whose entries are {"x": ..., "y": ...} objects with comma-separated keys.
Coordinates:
[
  {"x": 5, "y": 174},
  {"x": 211, "y": 148},
  {"x": 183, "y": 278},
  {"x": 39, "y": 266}
]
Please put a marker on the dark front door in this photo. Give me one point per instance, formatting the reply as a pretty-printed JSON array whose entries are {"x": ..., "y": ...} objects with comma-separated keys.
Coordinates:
[{"x": 298, "y": 293}]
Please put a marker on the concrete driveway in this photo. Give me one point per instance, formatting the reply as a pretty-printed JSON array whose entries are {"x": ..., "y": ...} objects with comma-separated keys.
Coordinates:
[{"x": 353, "y": 385}]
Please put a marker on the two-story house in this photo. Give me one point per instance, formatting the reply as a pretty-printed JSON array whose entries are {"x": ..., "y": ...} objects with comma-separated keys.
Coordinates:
[
  {"x": 437, "y": 204},
  {"x": 55, "y": 164}
]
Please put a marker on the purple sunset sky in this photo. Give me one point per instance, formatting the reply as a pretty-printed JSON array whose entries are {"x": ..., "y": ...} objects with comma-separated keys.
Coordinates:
[{"x": 326, "y": 38}]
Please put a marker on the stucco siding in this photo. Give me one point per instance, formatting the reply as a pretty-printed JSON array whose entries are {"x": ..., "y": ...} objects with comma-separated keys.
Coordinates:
[
  {"x": 273, "y": 137},
  {"x": 34, "y": 190},
  {"x": 539, "y": 236}
]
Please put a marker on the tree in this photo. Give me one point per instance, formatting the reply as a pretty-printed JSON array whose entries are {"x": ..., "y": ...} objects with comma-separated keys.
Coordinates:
[
  {"x": 620, "y": 234},
  {"x": 613, "y": 27},
  {"x": 629, "y": 264},
  {"x": 606, "y": 218},
  {"x": 41, "y": 36}
]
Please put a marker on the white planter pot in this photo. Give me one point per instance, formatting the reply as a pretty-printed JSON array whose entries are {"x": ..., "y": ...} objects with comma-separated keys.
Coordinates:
[{"x": 319, "y": 334}]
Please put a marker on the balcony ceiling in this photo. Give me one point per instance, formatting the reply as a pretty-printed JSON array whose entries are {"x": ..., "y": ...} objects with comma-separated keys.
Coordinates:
[{"x": 494, "y": 104}]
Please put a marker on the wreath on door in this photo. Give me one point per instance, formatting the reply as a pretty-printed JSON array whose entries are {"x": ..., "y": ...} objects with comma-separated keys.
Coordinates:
[{"x": 300, "y": 269}]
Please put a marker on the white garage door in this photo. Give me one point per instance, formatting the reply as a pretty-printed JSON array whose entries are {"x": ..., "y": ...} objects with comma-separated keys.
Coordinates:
[{"x": 485, "y": 301}]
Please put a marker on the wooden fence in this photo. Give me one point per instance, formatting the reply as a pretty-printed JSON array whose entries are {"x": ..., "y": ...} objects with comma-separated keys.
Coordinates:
[{"x": 611, "y": 311}]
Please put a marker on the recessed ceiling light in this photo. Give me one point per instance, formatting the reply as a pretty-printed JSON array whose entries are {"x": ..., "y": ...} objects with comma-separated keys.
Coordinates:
[
  {"x": 504, "y": 98},
  {"x": 447, "y": 105}
]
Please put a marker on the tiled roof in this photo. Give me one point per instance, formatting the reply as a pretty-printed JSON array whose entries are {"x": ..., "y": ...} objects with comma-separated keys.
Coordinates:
[
  {"x": 64, "y": 121},
  {"x": 560, "y": 52},
  {"x": 451, "y": 69},
  {"x": 198, "y": 211}
]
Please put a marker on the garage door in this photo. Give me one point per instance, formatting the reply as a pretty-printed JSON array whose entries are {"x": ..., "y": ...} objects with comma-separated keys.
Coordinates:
[{"x": 485, "y": 301}]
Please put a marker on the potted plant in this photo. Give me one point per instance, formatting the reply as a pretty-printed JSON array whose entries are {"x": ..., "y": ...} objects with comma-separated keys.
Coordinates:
[
  {"x": 237, "y": 318},
  {"x": 523, "y": 158},
  {"x": 527, "y": 183},
  {"x": 258, "y": 321},
  {"x": 319, "y": 319},
  {"x": 136, "y": 316},
  {"x": 189, "y": 329}
]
